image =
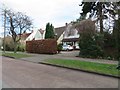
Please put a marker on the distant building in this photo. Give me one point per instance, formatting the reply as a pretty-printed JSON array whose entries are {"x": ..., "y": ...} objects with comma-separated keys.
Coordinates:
[
  {"x": 70, "y": 33},
  {"x": 66, "y": 35},
  {"x": 36, "y": 35},
  {"x": 23, "y": 37},
  {"x": 59, "y": 32}
]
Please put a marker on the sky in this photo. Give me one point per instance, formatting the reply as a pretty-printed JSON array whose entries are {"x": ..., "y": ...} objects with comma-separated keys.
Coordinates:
[{"x": 57, "y": 12}]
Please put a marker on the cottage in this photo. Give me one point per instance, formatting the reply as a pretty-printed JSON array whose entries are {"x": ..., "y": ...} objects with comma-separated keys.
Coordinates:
[
  {"x": 66, "y": 36},
  {"x": 70, "y": 33},
  {"x": 36, "y": 35}
]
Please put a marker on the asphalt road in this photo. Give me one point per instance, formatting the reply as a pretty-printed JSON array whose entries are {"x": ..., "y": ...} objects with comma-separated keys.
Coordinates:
[{"x": 23, "y": 74}]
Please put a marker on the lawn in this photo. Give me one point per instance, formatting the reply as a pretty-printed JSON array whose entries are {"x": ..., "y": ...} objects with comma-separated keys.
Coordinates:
[
  {"x": 15, "y": 55},
  {"x": 109, "y": 69}
]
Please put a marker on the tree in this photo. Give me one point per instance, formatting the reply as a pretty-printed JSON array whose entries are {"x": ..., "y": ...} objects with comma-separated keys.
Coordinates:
[
  {"x": 89, "y": 45},
  {"x": 116, "y": 29},
  {"x": 89, "y": 41},
  {"x": 17, "y": 23},
  {"x": 82, "y": 17},
  {"x": 49, "y": 31},
  {"x": 96, "y": 9},
  {"x": 104, "y": 10}
]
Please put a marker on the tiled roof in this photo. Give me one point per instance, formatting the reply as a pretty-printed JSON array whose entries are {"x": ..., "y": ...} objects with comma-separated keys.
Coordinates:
[
  {"x": 25, "y": 35},
  {"x": 59, "y": 31}
]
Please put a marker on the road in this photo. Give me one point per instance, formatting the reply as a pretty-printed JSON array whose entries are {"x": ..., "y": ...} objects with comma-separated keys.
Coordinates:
[{"x": 23, "y": 74}]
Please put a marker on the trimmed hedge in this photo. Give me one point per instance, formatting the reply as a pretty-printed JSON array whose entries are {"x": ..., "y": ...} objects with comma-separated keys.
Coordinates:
[{"x": 46, "y": 46}]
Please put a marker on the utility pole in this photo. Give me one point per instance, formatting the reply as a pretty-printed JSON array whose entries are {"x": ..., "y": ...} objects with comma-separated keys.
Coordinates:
[{"x": 4, "y": 29}]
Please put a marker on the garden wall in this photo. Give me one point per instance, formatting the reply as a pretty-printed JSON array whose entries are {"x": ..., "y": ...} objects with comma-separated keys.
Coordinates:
[{"x": 46, "y": 46}]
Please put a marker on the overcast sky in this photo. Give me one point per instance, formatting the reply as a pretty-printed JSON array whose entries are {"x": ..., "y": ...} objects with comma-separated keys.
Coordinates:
[{"x": 57, "y": 12}]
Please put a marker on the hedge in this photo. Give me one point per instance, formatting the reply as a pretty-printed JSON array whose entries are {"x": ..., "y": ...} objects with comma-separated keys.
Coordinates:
[{"x": 45, "y": 46}]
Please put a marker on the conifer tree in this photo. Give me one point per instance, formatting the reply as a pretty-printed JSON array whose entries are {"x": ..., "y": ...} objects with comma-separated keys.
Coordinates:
[{"x": 49, "y": 31}]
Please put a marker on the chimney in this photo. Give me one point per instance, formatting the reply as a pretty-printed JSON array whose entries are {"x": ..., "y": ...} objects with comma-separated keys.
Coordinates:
[{"x": 66, "y": 24}]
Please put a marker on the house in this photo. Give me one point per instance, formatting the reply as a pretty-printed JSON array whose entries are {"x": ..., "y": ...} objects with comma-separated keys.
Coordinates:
[
  {"x": 71, "y": 36},
  {"x": 66, "y": 35},
  {"x": 59, "y": 32},
  {"x": 23, "y": 38},
  {"x": 36, "y": 35},
  {"x": 9, "y": 41},
  {"x": 70, "y": 33}
]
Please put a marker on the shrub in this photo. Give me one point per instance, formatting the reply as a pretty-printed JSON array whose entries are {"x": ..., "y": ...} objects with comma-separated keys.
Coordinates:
[
  {"x": 9, "y": 46},
  {"x": 109, "y": 40},
  {"x": 59, "y": 48},
  {"x": 98, "y": 45},
  {"x": 90, "y": 45},
  {"x": 109, "y": 46},
  {"x": 21, "y": 47}
]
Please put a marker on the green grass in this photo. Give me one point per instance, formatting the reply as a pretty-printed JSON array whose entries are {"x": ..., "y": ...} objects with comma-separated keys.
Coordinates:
[
  {"x": 109, "y": 69},
  {"x": 15, "y": 55}
]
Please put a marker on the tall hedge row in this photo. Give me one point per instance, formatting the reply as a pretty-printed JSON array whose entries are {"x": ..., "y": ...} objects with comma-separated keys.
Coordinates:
[{"x": 46, "y": 46}]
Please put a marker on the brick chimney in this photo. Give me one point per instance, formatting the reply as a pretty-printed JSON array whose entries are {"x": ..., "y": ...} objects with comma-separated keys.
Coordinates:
[{"x": 66, "y": 24}]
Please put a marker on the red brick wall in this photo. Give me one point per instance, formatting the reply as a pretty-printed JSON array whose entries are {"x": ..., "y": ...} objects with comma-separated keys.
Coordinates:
[{"x": 46, "y": 46}]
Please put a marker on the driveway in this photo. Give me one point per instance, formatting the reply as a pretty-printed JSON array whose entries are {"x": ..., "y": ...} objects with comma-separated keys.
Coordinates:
[{"x": 22, "y": 74}]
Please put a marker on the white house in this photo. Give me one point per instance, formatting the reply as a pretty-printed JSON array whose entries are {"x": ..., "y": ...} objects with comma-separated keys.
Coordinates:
[
  {"x": 70, "y": 33},
  {"x": 36, "y": 35},
  {"x": 67, "y": 35}
]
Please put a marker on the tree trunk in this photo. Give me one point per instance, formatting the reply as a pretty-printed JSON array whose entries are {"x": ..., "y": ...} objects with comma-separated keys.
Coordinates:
[
  {"x": 101, "y": 18},
  {"x": 15, "y": 47},
  {"x": 4, "y": 30},
  {"x": 101, "y": 25}
]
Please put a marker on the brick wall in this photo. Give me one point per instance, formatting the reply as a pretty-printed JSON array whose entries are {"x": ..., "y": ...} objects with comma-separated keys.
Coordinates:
[{"x": 46, "y": 46}]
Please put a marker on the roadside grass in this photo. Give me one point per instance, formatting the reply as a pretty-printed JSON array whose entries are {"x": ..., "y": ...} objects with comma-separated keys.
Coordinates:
[
  {"x": 15, "y": 55},
  {"x": 109, "y": 69}
]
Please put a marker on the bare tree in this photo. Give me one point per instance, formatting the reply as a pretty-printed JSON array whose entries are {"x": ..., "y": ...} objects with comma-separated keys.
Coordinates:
[{"x": 17, "y": 23}]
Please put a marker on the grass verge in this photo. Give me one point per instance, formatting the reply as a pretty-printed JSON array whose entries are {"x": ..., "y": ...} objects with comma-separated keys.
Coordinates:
[
  {"x": 15, "y": 55},
  {"x": 108, "y": 69}
]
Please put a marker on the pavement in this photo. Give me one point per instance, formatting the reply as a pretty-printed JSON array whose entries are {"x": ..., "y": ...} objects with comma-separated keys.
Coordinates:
[
  {"x": 22, "y": 74},
  {"x": 70, "y": 55}
]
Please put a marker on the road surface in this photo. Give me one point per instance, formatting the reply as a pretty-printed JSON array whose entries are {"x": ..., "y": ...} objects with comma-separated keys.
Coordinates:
[{"x": 23, "y": 74}]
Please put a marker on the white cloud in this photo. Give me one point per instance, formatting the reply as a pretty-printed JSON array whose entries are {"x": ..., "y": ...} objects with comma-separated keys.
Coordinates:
[{"x": 57, "y": 12}]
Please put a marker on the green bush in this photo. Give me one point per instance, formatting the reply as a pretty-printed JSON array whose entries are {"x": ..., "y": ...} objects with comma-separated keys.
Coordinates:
[
  {"x": 109, "y": 46},
  {"x": 109, "y": 40},
  {"x": 21, "y": 48},
  {"x": 9, "y": 46},
  {"x": 98, "y": 45},
  {"x": 59, "y": 47},
  {"x": 90, "y": 45}
]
